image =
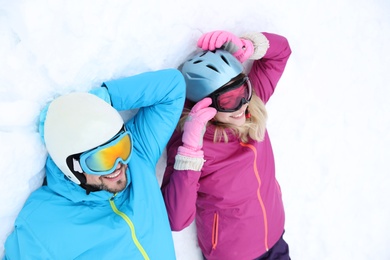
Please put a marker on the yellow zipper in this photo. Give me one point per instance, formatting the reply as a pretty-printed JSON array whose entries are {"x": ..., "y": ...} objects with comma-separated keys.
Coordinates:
[{"x": 132, "y": 229}]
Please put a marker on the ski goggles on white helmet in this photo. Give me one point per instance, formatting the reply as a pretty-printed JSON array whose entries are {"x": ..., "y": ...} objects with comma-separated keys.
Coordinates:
[
  {"x": 231, "y": 97},
  {"x": 104, "y": 159}
]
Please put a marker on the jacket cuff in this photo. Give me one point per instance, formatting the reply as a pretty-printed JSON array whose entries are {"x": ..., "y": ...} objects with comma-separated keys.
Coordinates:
[
  {"x": 188, "y": 163},
  {"x": 260, "y": 44}
]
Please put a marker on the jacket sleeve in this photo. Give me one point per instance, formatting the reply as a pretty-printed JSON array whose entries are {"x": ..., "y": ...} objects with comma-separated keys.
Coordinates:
[
  {"x": 179, "y": 188},
  {"x": 266, "y": 72},
  {"x": 159, "y": 96}
]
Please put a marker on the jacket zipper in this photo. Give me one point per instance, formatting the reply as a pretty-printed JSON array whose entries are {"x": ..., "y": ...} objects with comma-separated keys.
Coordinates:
[
  {"x": 260, "y": 199},
  {"x": 214, "y": 235},
  {"x": 132, "y": 228}
]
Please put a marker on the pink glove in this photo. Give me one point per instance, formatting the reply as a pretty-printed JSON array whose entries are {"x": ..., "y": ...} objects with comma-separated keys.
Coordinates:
[
  {"x": 242, "y": 49},
  {"x": 194, "y": 128}
]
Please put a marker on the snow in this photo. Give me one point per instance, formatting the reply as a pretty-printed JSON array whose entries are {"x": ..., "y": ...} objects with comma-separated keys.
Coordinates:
[{"x": 329, "y": 117}]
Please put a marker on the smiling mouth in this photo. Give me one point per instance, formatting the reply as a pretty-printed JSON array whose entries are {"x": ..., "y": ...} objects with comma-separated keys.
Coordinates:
[
  {"x": 116, "y": 173},
  {"x": 239, "y": 115},
  {"x": 113, "y": 175}
]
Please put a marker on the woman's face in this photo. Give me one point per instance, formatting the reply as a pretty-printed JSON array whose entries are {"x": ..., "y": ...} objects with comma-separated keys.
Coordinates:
[{"x": 236, "y": 118}]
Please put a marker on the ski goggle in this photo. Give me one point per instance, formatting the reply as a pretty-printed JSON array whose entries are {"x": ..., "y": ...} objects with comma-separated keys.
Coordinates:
[
  {"x": 231, "y": 97},
  {"x": 104, "y": 159}
]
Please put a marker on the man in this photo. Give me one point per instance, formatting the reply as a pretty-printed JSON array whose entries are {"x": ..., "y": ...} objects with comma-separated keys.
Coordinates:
[{"x": 102, "y": 199}]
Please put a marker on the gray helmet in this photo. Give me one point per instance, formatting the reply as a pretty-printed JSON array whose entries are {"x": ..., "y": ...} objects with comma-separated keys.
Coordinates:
[
  {"x": 207, "y": 71},
  {"x": 76, "y": 123}
]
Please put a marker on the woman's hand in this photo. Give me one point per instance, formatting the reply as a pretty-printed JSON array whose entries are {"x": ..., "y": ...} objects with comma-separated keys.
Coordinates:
[{"x": 241, "y": 48}]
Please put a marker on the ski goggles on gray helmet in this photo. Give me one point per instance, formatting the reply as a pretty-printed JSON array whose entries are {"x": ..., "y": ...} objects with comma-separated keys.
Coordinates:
[{"x": 232, "y": 96}]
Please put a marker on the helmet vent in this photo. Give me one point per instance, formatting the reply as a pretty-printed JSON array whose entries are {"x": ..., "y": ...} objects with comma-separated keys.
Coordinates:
[
  {"x": 225, "y": 60},
  {"x": 212, "y": 67}
]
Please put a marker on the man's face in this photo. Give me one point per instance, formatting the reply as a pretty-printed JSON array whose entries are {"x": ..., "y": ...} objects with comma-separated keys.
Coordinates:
[{"x": 113, "y": 182}]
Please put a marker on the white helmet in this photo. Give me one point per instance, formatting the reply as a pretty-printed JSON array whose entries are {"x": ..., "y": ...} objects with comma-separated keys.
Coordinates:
[{"x": 76, "y": 123}]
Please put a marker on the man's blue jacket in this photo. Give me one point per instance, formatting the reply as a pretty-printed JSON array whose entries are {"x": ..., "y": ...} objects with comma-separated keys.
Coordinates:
[{"x": 60, "y": 221}]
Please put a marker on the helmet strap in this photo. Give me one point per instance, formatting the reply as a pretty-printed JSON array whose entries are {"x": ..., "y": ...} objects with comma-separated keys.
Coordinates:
[
  {"x": 88, "y": 188},
  {"x": 79, "y": 174}
]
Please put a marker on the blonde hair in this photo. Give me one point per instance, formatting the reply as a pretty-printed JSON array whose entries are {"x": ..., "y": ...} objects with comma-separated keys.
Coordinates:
[{"x": 253, "y": 128}]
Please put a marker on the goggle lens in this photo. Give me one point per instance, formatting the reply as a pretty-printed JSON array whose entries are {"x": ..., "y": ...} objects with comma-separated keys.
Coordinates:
[
  {"x": 231, "y": 98},
  {"x": 104, "y": 159}
]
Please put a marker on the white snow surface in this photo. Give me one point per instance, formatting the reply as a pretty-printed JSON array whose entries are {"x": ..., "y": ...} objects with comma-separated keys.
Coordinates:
[{"x": 329, "y": 117}]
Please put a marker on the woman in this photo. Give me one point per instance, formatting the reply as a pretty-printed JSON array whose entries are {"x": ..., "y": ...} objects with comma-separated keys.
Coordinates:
[{"x": 220, "y": 164}]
